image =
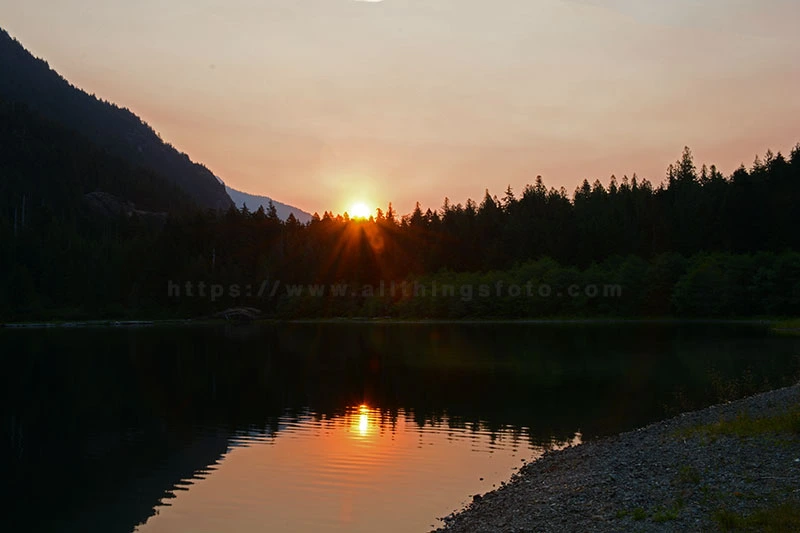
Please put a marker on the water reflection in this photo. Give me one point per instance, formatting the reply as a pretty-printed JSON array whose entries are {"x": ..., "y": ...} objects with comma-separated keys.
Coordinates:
[
  {"x": 363, "y": 420},
  {"x": 315, "y": 425},
  {"x": 361, "y": 470}
]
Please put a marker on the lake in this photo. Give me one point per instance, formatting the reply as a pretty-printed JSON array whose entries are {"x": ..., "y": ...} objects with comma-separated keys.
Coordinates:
[{"x": 333, "y": 426}]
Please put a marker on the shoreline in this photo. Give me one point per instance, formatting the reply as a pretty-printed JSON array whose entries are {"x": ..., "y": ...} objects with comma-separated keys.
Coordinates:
[
  {"x": 775, "y": 324},
  {"x": 686, "y": 473}
]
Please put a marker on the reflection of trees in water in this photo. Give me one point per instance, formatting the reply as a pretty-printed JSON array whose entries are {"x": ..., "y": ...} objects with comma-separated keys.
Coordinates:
[
  {"x": 96, "y": 417},
  {"x": 134, "y": 496},
  {"x": 108, "y": 481},
  {"x": 91, "y": 443}
]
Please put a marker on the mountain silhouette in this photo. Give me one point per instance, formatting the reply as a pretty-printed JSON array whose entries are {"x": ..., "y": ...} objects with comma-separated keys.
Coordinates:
[
  {"x": 31, "y": 81},
  {"x": 54, "y": 172}
]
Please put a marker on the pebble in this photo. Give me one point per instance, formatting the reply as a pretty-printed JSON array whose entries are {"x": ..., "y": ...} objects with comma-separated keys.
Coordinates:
[{"x": 597, "y": 485}]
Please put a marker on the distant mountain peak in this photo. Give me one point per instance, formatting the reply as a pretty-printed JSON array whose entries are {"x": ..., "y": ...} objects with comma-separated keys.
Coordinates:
[{"x": 254, "y": 201}]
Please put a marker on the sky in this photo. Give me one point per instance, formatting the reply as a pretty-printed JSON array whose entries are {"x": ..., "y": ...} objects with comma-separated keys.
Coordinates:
[{"x": 323, "y": 103}]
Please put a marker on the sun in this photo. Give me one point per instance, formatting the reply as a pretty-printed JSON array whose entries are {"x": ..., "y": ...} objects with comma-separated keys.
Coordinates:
[{"x": 360, "y": 210}]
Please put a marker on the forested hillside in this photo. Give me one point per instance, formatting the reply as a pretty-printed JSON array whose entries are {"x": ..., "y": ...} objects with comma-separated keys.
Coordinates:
[
  {"x": 29, "y": 80},
  {"x": 68, "y": 210}
]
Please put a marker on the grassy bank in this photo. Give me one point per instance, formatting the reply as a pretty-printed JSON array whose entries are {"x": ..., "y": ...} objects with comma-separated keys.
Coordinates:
[{"x": 786, "y": 327}]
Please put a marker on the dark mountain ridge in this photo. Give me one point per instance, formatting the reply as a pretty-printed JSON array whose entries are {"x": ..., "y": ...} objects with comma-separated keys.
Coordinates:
[
  {"x": 48, "y": 170},
  {"x": 31, "y": 81}
]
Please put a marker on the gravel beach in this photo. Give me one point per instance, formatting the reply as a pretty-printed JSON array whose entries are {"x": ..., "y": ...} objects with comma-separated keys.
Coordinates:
[{"x": 682, "y": 474}]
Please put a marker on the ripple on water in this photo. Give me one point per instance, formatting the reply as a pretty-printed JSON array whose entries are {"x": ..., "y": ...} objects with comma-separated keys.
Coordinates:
[{"x": 310, "y": 472}]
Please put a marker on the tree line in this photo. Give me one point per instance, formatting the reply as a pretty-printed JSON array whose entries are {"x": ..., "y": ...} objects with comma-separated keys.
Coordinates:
[{"x": 690, "y": 239}]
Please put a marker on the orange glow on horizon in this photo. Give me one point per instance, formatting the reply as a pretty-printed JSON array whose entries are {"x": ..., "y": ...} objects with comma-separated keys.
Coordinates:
[{"x": 490, "y": 111}]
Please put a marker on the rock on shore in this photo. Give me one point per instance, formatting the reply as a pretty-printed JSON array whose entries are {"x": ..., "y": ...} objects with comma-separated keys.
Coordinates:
[{"x": 664, "y": 477}]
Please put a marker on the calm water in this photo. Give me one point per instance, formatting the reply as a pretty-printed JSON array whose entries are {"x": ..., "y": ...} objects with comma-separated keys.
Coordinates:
[{"x": 334, "y": 427}]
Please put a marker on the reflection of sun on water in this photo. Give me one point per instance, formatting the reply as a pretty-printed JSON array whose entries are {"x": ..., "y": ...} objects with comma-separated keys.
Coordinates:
[
  {"x": 362, "y": 424},
  {"x": 354, "y": 469}
]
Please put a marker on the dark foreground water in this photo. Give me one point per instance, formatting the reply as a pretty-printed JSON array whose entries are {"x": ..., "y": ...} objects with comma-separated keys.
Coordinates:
[{"x": 331, "y": 427}]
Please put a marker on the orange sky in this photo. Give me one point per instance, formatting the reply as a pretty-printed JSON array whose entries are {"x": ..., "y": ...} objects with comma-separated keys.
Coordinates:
[{"x": 319, "y": 103}]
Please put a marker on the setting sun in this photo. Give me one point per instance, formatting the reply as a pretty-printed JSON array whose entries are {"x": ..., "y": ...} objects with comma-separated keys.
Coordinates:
[{"x": 360, "y": 210}]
